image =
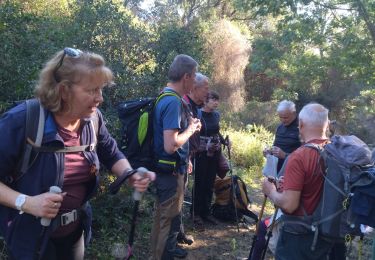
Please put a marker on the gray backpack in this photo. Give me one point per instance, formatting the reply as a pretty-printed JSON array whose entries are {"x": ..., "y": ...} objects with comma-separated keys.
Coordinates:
[{"x": 349, "y": 171}]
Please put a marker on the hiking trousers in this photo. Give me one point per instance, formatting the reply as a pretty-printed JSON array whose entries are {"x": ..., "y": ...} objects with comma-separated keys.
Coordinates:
[
  {"x": 298, "y": 246},
  {"x": 167, "y": 218},
  {"x": 205, "y": 174}
]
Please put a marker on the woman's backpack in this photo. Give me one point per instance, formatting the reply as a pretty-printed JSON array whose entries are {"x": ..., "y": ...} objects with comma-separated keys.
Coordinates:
[{"x": 231, "y": 196}]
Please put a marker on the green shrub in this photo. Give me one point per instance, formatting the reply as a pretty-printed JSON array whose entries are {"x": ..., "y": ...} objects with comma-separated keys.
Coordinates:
[{"x": 248, "y": 144}]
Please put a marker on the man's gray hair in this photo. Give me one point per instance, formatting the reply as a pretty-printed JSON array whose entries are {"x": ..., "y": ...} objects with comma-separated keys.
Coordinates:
[
  {"x": 286, "y": 105},
  {"x": 314, "y": 114},
  {"x": 200, "y": 79},
  {"x": 181, "y": 65}
]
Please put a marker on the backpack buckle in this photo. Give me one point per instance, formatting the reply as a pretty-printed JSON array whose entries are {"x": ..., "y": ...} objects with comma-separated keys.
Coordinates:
[
  {"x": 91, "y": 147},
  {"x": 69, "y": 217}
]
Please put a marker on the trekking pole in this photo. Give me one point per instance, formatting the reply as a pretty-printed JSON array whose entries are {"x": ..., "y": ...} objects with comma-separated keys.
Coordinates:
[
  {"x": 255, "y": 237},
  {"x": 269, "y": 233},
  {"x": 137, "y": 196},
  {"x": 45, "y": 222},
  {"x": 193, "y": 191},
  {"x": 231, "y": 181}
]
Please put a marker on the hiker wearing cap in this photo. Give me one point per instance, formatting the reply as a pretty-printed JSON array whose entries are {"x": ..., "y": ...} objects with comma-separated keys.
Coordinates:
[
  {"x": 173, "y": 126},
  {"x": 303, "y": 184},
  {"x": 75, "y": 141}
]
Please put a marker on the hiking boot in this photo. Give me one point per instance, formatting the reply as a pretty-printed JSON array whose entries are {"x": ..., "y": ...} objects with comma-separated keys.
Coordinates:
[
  {"x": 211, "y": 220},
  {"x": 178, "y": 252},
  {"x": 182, "y": 238}
]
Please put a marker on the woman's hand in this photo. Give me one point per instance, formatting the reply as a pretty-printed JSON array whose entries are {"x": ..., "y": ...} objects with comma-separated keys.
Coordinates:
[
  {"x": 45, "y": 205},
  {"x": 141, "y": 181}
]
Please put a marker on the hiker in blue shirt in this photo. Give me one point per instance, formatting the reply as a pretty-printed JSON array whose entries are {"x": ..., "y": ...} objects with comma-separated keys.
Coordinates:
[
  {"x": 69, "y": 91},
  {"x": 173, "y": 126}
]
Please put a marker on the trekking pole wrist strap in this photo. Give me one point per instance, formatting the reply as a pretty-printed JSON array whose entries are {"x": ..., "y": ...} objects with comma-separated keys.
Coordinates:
[{"x": 115, "y": 186}]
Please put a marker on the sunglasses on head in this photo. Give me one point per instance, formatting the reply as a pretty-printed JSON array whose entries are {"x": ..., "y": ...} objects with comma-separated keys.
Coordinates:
[{"x": 70, "y": 52}]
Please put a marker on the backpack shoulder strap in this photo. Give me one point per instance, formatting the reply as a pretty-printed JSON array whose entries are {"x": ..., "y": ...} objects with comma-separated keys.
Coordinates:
[
  {"x": 165, "y": 94},
  {"x": 199, "y": 113},
  {"x": 34, "y": 128},
  {"x": 239, "y": 183},
  {"x": 314, "y": 146},
  {"x": 94, "y": 123}
]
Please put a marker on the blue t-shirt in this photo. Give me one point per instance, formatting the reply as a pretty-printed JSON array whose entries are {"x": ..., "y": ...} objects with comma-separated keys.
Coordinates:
[{"x": 169, "y": 114}]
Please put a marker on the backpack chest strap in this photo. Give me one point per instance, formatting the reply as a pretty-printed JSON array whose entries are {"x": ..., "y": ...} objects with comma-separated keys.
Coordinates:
[{"x": 67, "y": 149}]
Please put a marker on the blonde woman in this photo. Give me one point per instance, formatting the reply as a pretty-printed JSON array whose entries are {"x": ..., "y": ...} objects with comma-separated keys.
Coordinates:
[{"x": 70, "y": 91}]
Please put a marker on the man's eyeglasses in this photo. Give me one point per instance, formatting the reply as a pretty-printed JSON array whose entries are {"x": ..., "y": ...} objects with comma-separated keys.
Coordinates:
[{"x": 70, "y": 52}]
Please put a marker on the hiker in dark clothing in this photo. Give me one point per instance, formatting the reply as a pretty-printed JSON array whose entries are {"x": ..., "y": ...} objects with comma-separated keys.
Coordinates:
[
  {"x": 207, "y": 160},
  {"x": 286, "y": 141},
  {"x": 69, "y": 91},
  {"x": 195, "y": 100},
  {"x": 287, "y": 134},
  {"x": 198, "y": 95}
]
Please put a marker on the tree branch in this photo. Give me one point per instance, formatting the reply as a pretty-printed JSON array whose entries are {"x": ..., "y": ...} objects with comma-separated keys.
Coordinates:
[{"x": 364, "y": 14}]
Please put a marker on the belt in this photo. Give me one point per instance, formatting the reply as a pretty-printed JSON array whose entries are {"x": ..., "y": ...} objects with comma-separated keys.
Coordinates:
[{"x": 67, "y": 218}]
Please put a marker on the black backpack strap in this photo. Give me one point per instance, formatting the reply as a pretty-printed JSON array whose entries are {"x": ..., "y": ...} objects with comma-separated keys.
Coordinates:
[
  {"x": 238, "y": 185},
  {"x": 34, "y": 128}
]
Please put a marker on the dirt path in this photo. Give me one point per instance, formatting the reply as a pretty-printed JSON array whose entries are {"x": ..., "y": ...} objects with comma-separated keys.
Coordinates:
[
  {"x": 223, "y": 241},
  {"x": 220, "y": 242}
]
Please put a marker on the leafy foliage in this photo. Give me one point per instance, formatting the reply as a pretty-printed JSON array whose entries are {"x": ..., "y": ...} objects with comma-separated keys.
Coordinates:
[{"x": 301, "y": 50}]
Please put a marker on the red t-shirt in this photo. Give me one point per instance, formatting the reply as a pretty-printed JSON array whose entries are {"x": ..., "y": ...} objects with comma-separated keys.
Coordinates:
[
  {"x": 77, "y": 178},
  {"x": 303, "y": 172}
]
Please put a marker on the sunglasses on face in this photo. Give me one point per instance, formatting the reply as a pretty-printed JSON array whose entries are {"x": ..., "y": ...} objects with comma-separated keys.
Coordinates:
[{"x": 70, "y": 52}]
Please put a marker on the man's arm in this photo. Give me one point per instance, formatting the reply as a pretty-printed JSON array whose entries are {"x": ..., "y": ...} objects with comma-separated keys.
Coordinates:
[
  {"x": 174, "y": 140},
  {"x": 287, "y": 200}
]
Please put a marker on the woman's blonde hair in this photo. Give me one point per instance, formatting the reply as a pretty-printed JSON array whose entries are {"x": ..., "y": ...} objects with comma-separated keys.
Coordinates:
[{"x": 71, "y": 71}]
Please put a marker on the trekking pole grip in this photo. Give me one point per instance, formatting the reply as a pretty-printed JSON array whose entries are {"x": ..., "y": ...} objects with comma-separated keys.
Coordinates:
[
  {"x": 137, "y": 196},
  {"x": 45, "y": 222}
]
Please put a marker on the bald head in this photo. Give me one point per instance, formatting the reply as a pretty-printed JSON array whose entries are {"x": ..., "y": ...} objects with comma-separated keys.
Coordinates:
[
  {"x": 314, "y": 115},
  {"x": 313, "y": 122}
]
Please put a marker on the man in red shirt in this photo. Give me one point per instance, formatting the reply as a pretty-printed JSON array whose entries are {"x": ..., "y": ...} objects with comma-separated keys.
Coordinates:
[{"x": 302, "y": 187}]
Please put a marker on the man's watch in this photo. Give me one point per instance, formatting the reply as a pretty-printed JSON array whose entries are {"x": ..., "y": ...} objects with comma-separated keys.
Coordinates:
[{"x": 20, "y": 201}]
